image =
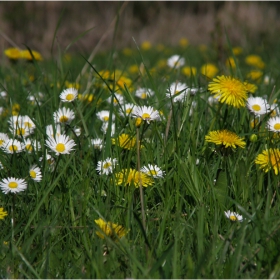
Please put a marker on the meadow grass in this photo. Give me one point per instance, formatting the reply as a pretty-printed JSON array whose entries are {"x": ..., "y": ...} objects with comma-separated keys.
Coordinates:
[{"x": 174, "y": 228}]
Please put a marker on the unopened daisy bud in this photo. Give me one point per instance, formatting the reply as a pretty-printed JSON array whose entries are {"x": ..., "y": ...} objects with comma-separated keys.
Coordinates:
[{"x": 253, "y": 138}]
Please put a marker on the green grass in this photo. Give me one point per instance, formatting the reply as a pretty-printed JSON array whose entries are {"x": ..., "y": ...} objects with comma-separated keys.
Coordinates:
[{"x": 186, "y": 233}]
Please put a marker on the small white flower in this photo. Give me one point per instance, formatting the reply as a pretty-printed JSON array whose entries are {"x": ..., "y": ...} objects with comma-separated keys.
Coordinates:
[
  {"x": 53, "y": 131},
  {"x": 118, "y": 99},
  {"x": 35, "y": 173},
  {"x": 104, "y": 128},
  {"x": 106, "y": 166},
  {"x": 233, "y": 216},
  {"x": 31, "y": 145},
  {"x": 3, "y": 94},
  {"x": 12, "y": 185},
  {"x": 153, "y": 170},
  {"x": 273, "y": 124},
  {"x": 144, "y": 93},
  {"x": 274, "y": 110},
  {"x": 3, "y": 139},
  {"x": 60, "y": 144},
  {"x": 175, "y": 61},
  {"x": 104, "y": 116},
  {"x": 13, "y": 146},
  {"x": 77, "y": 130},
  {"x": 64, "y": 115},
  {"x": 126, "y": 109},
  {"x": 177, "y": 91},
  {"x": 146, "y": 113},
  {"x": 97, "y": 143},
  {"x": 68, "y": 95},
  {"x": 258, "y": 106},
  {"x": 21, "y": 131},
  {"x": 50, "y": 160}
]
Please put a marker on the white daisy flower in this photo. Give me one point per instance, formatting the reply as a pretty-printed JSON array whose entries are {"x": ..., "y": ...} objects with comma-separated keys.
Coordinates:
[
  {"x": 50, "y": 160},
  {"x": 3, "y": 94},
  {"x": 77, "y": 130},
  {"x": 35, "y": 173},
  {"x": 53, "y": 131},
  {"x": 15, "y": 121},
  {"x": 106, "y": 166},
  {"x": 104, "y": 115},
  {"x": 118, "y": 99},
  {"x": 3, "y": 139},
  {"x": 146, "y": 113},
  {"x": 13, "y": 146},
  {"x": 126, "y": 109},
  {"x": 60, "y": 144},
  {"x": 177, "y": 91},
  {"x": 273, "y": 124},
  {"x": 144, "y": 93},
  {"x": 175, "y": 61},
  {"x": 28, "y": 123},
  {"x": 30, "y": 145},
  {"x": 21, "y": 131},
  {"x": 12, "y": 185},
  {"x": 258, "y": 106},
  {"x": 64, "y": 115},
  {"x": 233, "y": 216},
  {"x": 104, "y": 128},
  {"x": 153, "y": 170},
  {"x": 274, "y": 110},
  {"x": 68, "y": 95},
  {"x": 97, "y": 143}
]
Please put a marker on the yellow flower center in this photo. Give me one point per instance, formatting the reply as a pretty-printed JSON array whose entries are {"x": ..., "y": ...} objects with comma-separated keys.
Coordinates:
[
  {"x": 13, "y": 148},
  {"x": 233, "y": 218},
  {"x": 144, "y": 95},
  {"x": 107, "y": 165},
  {"x": 28, "y": 147},
  {"x": 63, "y": 119},
  {"x": 32, "y": 174},
  {"x": 28, "y": 124},
  {"x": 277, "y": 126},
  {"x": 20, "y": 131},
  {"x": 176, "y": 92},
  {"x": 138, "y": 122},
  {"x": 106, "y": 118},
  {"x": 1, "y": 142},
  {"x": 152, "y": 172},
  {"x": 13, "y": 185},
  {"x": 70, "y": 96},
  {"x": 146, "y": 116},
  {"x": 128, "y": 111},
  {"x": 60, "y": 147},
  {"x": 256, "y": 107}
]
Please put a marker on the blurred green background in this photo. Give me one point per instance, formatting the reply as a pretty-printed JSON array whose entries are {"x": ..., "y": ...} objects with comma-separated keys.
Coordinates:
[{"x": 34, "y": 23}]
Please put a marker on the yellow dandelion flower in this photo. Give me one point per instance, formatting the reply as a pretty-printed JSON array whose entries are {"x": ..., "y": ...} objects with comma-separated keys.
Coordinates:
[
  {"x": 133, "y": 69},
  {"x": 269, "y": 159},
  {"x": 255, "y": 75},
  {"x": 125, "y": 141},
  {"x": 133, "y": 177},
  {"x": 209, "y": 70},
  {"x": 127, "y": 51},
  {"x": 189, "y": 71},
  {"x": 25, "y": 54},
  {"x": 255, "y": 60},
  {"x": 250, "y": 87},
  {"x": 12, "y": 53},
  {"x": 230, "y": 63},
  {"x": 3, "y": 213},
  {"x": 229, "y": 90},
  {"x": 183, "y": 42},
  {"x": 110, "y": 229},
  {"x": 146, "y": 45},
  {"x": 226, "y": 138},
  {"x": 237, "y": 50}
]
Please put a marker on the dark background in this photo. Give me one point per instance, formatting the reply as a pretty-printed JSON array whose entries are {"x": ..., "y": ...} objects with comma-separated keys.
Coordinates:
[{"x": 201, "y": 22}]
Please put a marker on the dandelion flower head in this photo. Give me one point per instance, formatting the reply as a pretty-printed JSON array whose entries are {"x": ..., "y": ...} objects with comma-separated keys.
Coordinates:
[
  {"x": 226, "y": 138},
  {"x": 269, "y": 159}
]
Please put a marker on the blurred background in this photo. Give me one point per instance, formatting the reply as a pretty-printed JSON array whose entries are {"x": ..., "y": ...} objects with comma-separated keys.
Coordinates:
[{"x": 38, "y": 24}]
